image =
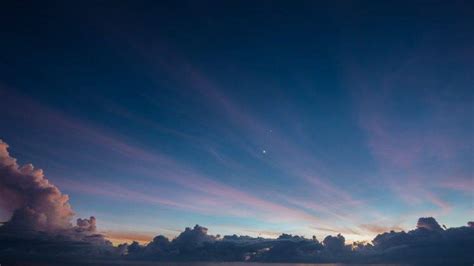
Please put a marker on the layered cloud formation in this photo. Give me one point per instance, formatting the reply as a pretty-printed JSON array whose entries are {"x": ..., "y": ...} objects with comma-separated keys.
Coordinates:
[
  {"x": 428, "y": 243},
  {"x": 40, "y": 228}
]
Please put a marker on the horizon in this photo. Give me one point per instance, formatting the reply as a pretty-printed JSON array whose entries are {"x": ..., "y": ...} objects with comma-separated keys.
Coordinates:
[{"x": 257, "y": 119}]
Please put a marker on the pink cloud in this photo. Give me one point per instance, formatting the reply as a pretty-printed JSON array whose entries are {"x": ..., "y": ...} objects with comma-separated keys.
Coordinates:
[{"x": 458, "y": 183}]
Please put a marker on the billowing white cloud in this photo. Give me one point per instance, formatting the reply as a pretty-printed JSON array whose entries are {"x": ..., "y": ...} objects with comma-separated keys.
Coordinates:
[{"x": 35, "y": 203}]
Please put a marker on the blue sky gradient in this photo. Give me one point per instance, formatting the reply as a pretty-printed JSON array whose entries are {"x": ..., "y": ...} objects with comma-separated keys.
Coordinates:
[{"x": 306, "y": 118}]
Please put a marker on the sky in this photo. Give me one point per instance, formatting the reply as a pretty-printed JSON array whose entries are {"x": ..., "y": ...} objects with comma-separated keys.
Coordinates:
[{"x": 256, "y": 118}]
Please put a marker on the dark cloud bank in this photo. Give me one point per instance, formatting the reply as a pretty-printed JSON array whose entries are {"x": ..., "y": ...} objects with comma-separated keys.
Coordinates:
[{"x": 41, "y": 229}]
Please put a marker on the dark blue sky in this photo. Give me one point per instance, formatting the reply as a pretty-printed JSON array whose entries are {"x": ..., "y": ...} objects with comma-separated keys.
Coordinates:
[{"x": 250, "y": 117}]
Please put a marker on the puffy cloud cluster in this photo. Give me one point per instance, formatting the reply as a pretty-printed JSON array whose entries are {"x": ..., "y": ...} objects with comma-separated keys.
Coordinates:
[
  {"x": 194, "y": 244},
  {"x": 427, "y": 244},
  {"x": 86, "y": 225},
  {"x": 187, "y": 246},
  {"x": 428, "y": 223},
  {"x": 334, "y": 243},
  {"x": 193, "y": 238},
  {"x": 41, "y": 215},
  {"x": 35, "y": 203}
]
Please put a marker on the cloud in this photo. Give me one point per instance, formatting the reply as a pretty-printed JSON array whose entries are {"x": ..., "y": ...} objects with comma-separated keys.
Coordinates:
[
  {"x": 334, "y": 243},
  {"x": 192, "y": 238},
  {"x": 36, "y": 203},
  {"x": 41, "y": 216},
  {"x": 86, "y": 225},
  {"x": 428, "y": 243},
  {"x": 428, "y": 223},
  {"x": 159, "y": 244}
]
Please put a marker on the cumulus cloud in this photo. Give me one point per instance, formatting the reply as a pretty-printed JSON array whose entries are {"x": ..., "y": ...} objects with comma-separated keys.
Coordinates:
[
  {"x": 192, "y": 238},
  {"x": 428, "y": 243},
  {"x": 36, "y": 204},
  {"x": 334, "y": 243},
  {"x": 428, "y": 223},
  {"x": 86, "y": 225},
  {"x": 40, "y": 215},
  {"x": 159, "y": 244}
]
